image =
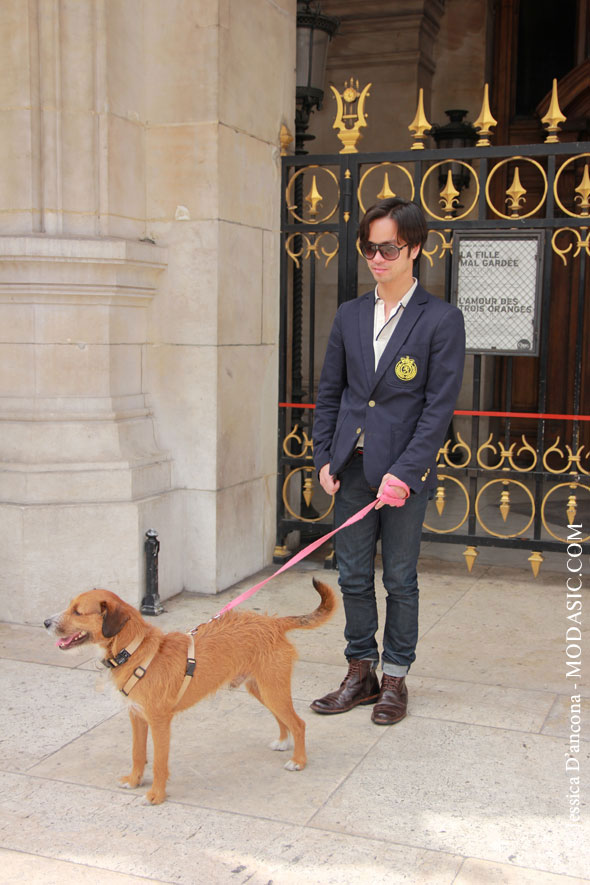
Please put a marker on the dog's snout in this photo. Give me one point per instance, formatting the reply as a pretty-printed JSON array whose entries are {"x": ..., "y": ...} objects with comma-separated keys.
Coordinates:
[{"x": 51, "y": 623}]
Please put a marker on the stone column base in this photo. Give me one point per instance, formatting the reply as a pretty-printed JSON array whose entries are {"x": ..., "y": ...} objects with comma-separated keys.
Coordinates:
[{"x": 82, "y": 476}]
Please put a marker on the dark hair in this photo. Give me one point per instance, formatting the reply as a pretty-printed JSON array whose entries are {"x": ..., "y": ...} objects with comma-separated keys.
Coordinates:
[{"x": 408, "y": 216}]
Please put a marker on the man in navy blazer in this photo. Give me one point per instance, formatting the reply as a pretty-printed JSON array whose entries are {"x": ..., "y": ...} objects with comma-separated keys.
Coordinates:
[{"x": 388, "y": 388}]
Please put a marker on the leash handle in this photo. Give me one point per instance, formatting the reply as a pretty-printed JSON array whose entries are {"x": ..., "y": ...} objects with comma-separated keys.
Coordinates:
[{"x": 388, "y": 496}]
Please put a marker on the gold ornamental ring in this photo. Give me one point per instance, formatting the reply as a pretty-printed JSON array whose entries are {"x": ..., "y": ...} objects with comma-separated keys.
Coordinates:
[
  {"x": 561, "y": 485},
  {"x": 425, "y": 179},
  {"x": 482, "y": 523},
  {"x": 290, "y": 510},
  {"x": 555, "y": 183},
  {"x": 512, "y": 160},
  {"x": 289, "y": 200},
  {"x": 441, "y": 477},
  {"x": 381, "y": 166}
]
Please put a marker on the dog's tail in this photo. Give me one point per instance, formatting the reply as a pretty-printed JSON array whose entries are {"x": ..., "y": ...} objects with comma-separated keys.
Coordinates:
[{"x": 323, "y": 612}]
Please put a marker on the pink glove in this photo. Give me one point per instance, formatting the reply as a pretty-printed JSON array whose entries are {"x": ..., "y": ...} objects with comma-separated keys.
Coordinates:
[{"x": 389, "y": 496}]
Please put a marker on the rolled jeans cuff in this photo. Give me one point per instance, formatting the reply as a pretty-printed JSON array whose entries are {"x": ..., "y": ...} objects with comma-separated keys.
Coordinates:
[
  {"x": 373, "y": 660},
  {"x": 394, "y": 669}
]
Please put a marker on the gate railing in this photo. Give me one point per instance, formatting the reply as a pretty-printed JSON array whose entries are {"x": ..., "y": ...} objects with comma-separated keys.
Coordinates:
[{"x": 507, "y": 478}]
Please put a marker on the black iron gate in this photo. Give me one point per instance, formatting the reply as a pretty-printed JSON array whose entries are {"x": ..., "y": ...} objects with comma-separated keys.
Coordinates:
[{"x": 515, "y": 470}]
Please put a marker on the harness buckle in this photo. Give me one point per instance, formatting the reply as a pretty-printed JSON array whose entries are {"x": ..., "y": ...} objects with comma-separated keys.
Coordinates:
[
  {"x": 138, "y": 673},
  {"x": 190, "y": 667},
  {"x": 121, "y": 658}
]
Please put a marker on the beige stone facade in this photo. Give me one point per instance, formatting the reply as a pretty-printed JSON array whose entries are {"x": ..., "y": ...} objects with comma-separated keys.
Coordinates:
[{"x": 138, "y": 291}]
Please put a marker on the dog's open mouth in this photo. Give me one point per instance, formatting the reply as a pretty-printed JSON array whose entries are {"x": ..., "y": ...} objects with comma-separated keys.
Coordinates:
[{"x": 74, "y": 639}]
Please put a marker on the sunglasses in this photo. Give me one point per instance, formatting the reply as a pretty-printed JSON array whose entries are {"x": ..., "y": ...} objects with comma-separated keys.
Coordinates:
[{"x": 389, "y": 251}]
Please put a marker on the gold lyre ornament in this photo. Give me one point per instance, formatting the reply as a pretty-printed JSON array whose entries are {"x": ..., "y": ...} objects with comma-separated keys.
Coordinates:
[{"x": 348, "y": 121}]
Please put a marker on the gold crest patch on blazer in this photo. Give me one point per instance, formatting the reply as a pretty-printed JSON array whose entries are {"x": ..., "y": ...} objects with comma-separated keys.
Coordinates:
[{"x": 406, "y": 368}]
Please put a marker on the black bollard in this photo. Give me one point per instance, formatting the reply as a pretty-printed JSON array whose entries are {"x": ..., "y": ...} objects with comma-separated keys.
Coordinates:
[{"x": 150, "y": 604}]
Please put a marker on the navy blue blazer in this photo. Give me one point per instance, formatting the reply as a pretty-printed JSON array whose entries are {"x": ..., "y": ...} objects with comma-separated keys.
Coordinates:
[{"x": 405, "y": 407}]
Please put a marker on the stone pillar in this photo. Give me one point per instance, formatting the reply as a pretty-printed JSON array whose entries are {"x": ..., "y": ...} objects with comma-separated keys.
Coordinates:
[
  {"x": 82, "y": 477},
  {"x": 138, "y": 291},
  {"x": 218, "y": 87}
]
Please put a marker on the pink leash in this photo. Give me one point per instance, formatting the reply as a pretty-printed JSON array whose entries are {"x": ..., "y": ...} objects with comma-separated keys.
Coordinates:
[
  {"x": 297, "y": 558},
  {"x": 386, "y": 496}
]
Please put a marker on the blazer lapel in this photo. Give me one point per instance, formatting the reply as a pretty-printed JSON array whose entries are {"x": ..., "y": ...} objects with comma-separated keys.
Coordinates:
[
  {"x": 410, "y": 316},
  {"x": 366, "y": 324}
]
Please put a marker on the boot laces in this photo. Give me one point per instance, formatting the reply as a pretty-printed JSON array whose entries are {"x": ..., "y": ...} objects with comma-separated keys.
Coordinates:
[
  {"x": 354, "y": 670},
  {"x": 392, "y": 682}
]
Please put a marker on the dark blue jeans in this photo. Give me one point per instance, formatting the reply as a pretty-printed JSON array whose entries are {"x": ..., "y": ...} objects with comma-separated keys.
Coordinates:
[{"x": 400, "y": 530}]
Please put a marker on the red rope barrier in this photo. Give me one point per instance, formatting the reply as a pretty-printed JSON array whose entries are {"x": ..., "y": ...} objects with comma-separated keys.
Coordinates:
[
  {"x": 543, "y": 415},
  {"x": 536, "y": 415},
  {"x": 297, "y": 405}
]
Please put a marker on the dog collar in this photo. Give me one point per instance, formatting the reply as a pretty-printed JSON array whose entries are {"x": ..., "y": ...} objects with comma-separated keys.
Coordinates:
[{"x": 123, "y": 656}]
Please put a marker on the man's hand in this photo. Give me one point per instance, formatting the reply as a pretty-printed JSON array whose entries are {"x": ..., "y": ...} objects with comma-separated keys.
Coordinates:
[
  {"x": 392, "y": 491},
  {"x": 329, "y": 483}
]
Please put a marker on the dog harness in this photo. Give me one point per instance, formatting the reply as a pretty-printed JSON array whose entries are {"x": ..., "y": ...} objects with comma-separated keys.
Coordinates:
[{"x": 123, "y": 656}]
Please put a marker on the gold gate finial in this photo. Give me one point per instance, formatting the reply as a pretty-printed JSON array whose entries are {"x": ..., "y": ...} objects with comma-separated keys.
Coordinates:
[
  {"x": 535, "y": 560},
  {"x": 285, "y": 139},
  {"x": 571, "y": 509},
  {"x": 350, "y": 135},
  {"x": 485, "y": 121},
  {"x": 553, "y": 117},
  {"x": 470, "y": 554},
  {"x": 504, "y": 503},
  {"x": 419, "y": 127},
  {"x": 449, "y": 196},
  {"x": 313, "y": 198},
  {"x": 583, "y": 191},
  {"x": 515, "y": 193},
  {"x": 385, "y": 193}
]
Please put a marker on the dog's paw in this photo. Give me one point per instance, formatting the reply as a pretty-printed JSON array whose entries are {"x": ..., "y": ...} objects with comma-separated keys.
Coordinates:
[
  {"x": 280, "y": 745},
  {"x": 291, "y": 765},
  {"x": 154, "y": 797},
  {"x": 130, "y": 781}
]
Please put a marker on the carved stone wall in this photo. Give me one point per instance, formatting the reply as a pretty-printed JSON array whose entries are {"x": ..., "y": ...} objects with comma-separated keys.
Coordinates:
[{"x": 139, "y": 209}]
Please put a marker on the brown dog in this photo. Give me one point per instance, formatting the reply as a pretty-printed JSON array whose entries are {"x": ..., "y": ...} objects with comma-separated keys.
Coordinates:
[{"x": 151, "y": 667}]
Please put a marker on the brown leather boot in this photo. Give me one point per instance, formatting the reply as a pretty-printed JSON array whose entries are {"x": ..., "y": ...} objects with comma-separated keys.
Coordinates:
[
  {"x": 393, "y": 701},
  {"x": 360, "y": 686}
]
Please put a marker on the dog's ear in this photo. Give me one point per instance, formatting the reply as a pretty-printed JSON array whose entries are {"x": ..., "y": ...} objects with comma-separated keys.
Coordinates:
[{"x": 113, "y": 619}]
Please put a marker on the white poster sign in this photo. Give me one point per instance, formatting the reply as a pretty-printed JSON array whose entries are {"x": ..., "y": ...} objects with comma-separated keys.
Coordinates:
[{"x": 496, "y": 283}]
